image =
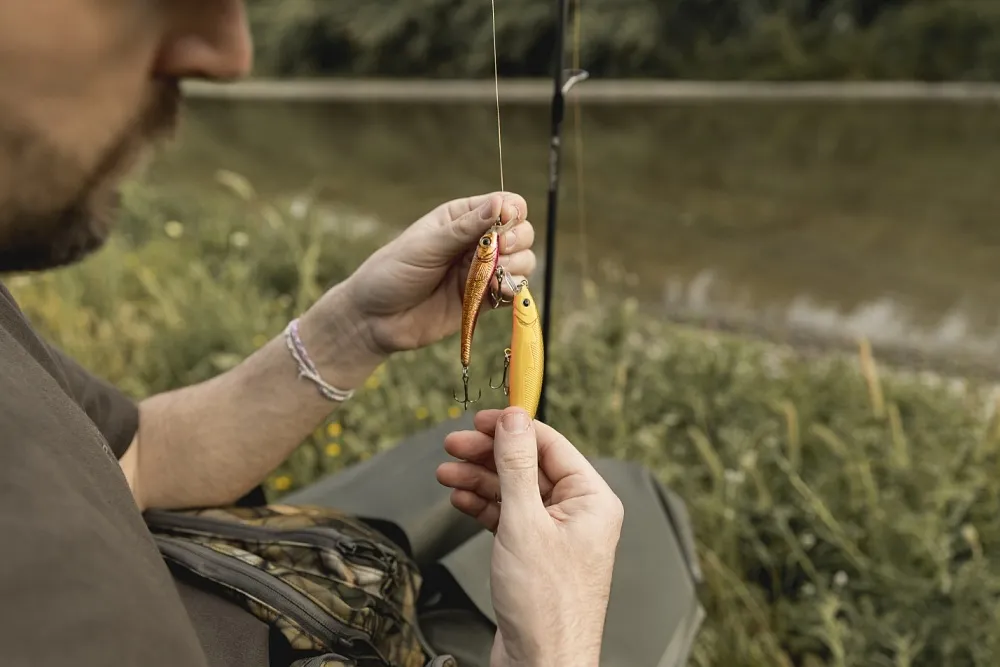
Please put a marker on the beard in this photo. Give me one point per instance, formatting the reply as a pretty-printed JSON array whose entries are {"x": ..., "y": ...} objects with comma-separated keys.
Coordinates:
[{"x": 55, "y": 211}]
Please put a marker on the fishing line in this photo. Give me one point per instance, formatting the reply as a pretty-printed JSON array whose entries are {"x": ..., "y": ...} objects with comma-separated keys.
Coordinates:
[{"x": 496, "y": 83}]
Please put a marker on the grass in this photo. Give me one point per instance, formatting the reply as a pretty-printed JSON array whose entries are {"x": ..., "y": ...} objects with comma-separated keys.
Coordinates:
[{"x": 845, "y": 513}]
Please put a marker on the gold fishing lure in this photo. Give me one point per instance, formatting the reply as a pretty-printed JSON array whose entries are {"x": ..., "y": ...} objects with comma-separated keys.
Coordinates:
[
  {"x": 524, "y": 359},
  {"x": 484, "y": 267}
]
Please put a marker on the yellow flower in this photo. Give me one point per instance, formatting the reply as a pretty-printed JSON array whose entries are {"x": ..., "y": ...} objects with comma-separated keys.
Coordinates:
[
  {"x": 454, "y": 412},
  {"x": 174, "y": 229},
  {"x": 283, "y": 483},
  {"x": 372, "y": 382},
  {"x": 239, "y": 239},
  {"x": 333, "y": 450},
  {"x": 334, "y": 430},
  {"x": 422, "y": 413}
]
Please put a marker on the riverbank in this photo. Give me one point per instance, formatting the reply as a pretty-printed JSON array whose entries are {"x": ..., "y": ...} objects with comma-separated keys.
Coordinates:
[
  {"x": 844, "y": 511},
  {"x": 539, "y": 91}
]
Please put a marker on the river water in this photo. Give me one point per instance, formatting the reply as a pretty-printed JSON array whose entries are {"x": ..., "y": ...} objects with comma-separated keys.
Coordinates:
[{"x": 824, "y": 220}]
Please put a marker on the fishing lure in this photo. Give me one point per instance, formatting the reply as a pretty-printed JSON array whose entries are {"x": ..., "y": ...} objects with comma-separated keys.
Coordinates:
[
  {"x": 485, "y": 265},
  {"x": 524, "y": 360}
]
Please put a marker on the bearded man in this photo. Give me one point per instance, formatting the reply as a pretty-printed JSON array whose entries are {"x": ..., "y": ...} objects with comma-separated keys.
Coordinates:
[{"x": 87, "y": 88}]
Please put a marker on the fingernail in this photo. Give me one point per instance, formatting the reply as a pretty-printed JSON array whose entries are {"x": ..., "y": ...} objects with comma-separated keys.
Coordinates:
[
  {"x": 509, "y": 240},
  {"x": 486, "y": 210},
  {"x": 516, "y": 422}
]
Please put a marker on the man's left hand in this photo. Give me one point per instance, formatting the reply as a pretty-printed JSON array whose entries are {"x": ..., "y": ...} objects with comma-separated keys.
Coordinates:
[{"x": 408, "y": 294}]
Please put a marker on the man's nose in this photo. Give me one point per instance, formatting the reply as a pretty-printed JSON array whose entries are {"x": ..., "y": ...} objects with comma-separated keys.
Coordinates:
[{"x": 208, "y": 39}]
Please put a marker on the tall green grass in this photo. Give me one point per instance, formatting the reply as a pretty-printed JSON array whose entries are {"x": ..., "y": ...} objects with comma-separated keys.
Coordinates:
[{"x": 846, "y": 515}]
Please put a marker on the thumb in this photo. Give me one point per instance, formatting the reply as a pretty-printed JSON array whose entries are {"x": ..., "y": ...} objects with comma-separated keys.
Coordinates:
[
  {"x": 465, "y": 230},
  {"x": 515, "y": 451}
]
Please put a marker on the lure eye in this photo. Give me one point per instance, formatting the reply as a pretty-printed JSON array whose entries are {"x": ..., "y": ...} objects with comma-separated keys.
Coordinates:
[
  {"x": 526, "y": 303},
  {"x": 485, "y": 241}
]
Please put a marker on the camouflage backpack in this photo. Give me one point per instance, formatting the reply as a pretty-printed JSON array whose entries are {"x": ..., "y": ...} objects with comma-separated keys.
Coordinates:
[{"x": 341, "y": 593}]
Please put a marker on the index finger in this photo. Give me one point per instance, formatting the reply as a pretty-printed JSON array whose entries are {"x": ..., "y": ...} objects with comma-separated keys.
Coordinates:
[
  {"x": 558, "y": 458},
  {"x": 459, "y": 207},
  {"x": 485, "y": 421}
]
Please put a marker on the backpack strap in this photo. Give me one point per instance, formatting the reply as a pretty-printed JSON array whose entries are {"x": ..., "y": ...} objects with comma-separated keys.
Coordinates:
[{"x": 340, "y": 592}]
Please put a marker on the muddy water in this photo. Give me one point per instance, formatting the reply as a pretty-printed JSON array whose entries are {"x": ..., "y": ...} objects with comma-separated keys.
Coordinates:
[{"x": 824, "y": 220}]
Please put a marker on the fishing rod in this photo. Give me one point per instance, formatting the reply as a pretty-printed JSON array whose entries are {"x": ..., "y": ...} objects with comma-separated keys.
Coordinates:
[{"x": 564, "y": 79}]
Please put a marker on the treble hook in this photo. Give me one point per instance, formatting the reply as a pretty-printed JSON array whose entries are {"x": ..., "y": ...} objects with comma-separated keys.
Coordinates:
[
  {"x": 505, "y": 379},
  {"x": 465, "y": 383},
  {"x": 496, "y": 295}
]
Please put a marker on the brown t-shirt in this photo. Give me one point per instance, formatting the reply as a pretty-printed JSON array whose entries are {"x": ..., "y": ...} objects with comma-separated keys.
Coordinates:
[{"x": 81, "y": 581}]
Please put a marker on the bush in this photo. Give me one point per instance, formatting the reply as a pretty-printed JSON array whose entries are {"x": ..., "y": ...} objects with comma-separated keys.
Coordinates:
[
  {"x": 684, "y": 39},
  {"x": 845, "y": 515}
]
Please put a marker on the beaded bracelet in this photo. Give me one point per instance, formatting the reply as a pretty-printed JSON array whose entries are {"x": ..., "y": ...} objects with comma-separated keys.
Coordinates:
[{"x": 307, "y": 369}]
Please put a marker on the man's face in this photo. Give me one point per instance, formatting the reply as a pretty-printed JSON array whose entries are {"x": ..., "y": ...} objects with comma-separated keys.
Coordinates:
[{"x": 85, "y": 87}]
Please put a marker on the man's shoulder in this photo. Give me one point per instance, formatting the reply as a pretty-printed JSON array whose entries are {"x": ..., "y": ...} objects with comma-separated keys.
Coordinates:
[
  {"x": 72, "y": 533},
  {"x": 5, "y": 293},
  {"x": 30, "y": 360},
  {"x": 47, "y": 433},
  {"x": 17, "y": 334},
  {"x": 24, "y": 355},
  {"x": 34, "y": 405},
  {"x": 11, "y": 315}
]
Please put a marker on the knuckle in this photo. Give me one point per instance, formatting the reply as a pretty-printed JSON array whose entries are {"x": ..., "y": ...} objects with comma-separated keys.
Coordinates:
[
  {"x": 516, "y": 460},
  {"x": 472, "y": 477},
  {"x": 484, "y": 487},
  {"x": 614, "y": 509},
  {"x": 463, "y": 230}
]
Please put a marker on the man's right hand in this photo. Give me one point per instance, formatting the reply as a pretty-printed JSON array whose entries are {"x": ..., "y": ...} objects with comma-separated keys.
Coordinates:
[{"x": 557, "y": 526}]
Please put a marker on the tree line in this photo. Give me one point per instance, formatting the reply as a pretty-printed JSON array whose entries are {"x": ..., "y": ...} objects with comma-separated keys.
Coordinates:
[{"x": 929, "y": 40}]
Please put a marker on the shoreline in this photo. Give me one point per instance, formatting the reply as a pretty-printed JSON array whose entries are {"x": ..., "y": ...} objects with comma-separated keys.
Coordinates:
[
  {"x": 539, "y": 91},
  {"x": 813, "y": 346}
]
